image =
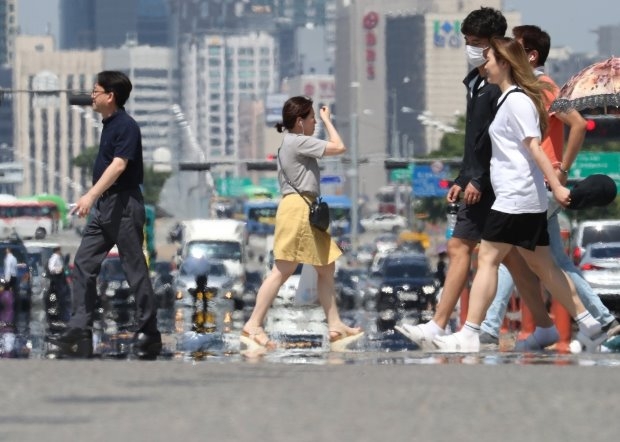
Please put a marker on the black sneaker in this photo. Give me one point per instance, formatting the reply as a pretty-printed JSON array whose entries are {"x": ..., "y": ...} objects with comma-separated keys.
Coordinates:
[
  {"x": 73, "y": 342},
  {"x": 147, "y": 346},
  {"x": 488, "y": 341}
]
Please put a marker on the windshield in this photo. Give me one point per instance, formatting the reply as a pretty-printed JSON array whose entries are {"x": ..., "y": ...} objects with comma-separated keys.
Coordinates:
[
  {"x": 258, "y": 213},
  {"x": 215, "y": 250},
  {"x": 194, "y": 267},
  {"x": 405, "y": 270},
  {"x": 602, "y": 233},
  {"x": 606, "y": 252}
]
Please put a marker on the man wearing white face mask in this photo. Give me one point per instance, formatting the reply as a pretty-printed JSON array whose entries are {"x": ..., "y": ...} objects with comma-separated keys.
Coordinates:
[{"x": 473, "y": 180}]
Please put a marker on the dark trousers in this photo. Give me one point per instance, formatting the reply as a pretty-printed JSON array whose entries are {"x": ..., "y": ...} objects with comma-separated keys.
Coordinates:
[{"x": 116, "y": 218}]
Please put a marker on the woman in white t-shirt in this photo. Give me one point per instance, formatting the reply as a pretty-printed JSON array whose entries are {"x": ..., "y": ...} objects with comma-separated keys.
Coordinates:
[
  {"x": 518, "y": 217},
  {"x": 295, "y": 240}
]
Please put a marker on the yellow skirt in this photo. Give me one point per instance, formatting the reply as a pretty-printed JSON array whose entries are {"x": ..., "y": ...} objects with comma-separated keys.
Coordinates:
[{"x": 295, "y": 240}]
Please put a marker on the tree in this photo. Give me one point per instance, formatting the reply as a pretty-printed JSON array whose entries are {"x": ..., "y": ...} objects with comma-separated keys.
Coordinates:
[{"x": 153, "y": 181}]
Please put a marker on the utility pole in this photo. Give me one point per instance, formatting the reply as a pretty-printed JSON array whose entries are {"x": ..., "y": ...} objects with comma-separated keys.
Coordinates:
[{"x": 354, "y": 177}]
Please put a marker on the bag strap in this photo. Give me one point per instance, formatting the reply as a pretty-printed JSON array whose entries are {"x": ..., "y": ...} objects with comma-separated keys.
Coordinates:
[
  {"x": 517, "y": 89},
  {"x": 289, "y": 181}
]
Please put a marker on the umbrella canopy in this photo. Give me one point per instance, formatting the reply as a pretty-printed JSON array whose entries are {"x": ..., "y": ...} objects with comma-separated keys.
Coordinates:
[{"x": 598, "y": 85}]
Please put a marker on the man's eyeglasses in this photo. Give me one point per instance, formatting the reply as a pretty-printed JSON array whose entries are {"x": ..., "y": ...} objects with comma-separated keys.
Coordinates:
[{"x": 96, "y": 92}]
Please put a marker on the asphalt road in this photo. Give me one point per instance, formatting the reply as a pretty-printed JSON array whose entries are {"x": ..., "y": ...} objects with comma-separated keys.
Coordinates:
[
  {"x": 366, "y": 395},
  {"x": 100, "y": 400}
]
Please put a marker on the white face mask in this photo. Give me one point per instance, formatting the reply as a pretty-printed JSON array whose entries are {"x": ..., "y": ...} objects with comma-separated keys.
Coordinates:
[{"x": 475, "y": 56}]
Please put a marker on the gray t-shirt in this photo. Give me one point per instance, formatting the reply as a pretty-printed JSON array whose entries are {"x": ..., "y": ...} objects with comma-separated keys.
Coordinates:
[{"x": 298, "y": 156}]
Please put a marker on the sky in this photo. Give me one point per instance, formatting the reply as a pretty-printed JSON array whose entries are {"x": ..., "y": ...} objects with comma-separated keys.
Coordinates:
[{"x": 569, "y": 22}]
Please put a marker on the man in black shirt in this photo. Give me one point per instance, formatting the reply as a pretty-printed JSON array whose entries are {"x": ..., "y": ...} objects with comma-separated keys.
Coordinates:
[{"x": 116, "y": 206}]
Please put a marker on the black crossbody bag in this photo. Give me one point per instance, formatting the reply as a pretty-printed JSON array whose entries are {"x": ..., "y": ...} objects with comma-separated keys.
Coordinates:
[{"x": 319, "y": 210}]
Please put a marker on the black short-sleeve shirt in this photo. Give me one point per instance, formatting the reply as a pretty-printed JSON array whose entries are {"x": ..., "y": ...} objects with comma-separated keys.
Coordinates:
[{"x": 121, "y": 138}]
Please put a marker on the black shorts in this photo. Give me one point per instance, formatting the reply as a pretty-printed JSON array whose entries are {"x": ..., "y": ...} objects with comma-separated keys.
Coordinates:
[
  {"x": 470, "y": 219},
  {"x": 526, "y": 230}
]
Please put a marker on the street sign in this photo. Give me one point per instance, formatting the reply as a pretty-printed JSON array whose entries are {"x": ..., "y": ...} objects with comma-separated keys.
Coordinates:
[
  {"x": 428, "y": 180},
  {"x": 330, "y": 179},
  {"x": 590, "y": 163},
  {"x": 401, "y": 175},
  {"x": 231, "y": 187}
]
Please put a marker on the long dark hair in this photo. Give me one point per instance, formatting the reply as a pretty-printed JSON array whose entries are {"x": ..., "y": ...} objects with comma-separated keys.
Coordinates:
[{"x": 294, "y": 107}]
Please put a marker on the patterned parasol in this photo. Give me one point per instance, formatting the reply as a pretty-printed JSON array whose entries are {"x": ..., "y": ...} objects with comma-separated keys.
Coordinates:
[{"x": 596, "y": 86}]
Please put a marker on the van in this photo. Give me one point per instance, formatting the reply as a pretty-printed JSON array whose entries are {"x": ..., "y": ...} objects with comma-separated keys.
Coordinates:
[
  {"x": 217, "y": 240},
  {"x": 588, "y": 232}
]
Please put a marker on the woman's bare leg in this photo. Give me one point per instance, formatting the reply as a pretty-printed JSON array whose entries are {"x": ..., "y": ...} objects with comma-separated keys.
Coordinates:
[
  {"x": 268, "y": 291},
  {"x": 327, "y": 297},
  {"x": 553, "y": 278},
  {"x": 484, "y": 286}
]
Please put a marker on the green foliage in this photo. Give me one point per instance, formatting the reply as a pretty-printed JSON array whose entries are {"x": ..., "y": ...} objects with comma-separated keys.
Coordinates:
[{"x": 153, "y": 181}]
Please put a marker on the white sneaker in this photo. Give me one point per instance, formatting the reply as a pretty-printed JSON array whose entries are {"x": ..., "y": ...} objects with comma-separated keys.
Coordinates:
[
  {"x": 418, "y": 335},
  {"x": 593, "y": 344},
  {"x": 458, "y": 343}
]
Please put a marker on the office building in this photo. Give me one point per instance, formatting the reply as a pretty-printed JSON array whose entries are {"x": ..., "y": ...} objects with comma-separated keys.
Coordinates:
[
  {"x": 8, "y": 29},
  {"x": 400, "y": 60}
]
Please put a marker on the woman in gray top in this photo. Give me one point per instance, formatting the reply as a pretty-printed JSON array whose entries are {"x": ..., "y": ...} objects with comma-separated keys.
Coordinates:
[{"x": 295, "y": 240}]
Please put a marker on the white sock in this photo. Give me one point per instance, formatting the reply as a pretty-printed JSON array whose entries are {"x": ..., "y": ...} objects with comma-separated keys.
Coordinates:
[
  {"x": 470, "y": 329},
  {"x": 587, "y": 324},
  {"x": 432, "y": 329},
  {"x": 545, "y": 336}
]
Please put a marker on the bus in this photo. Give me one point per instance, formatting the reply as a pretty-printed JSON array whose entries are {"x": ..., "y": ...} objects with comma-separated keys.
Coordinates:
[
  {"x": 339, "y": 213},
  {"x": 260, "y": 216},
  {"x": 28, "y": 219},
  {"x": 61, "y": 204}
]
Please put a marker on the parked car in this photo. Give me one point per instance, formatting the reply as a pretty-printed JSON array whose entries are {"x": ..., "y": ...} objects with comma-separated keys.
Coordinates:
[
  {"x": 588, "y": 232},
  {"x": 600, "y": 266},
  {"x": 384, "y": 222},
  {"x": 407, "y": 289}
]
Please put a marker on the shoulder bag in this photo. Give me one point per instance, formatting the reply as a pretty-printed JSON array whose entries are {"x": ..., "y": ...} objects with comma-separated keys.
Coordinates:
[{"x": 319, "y": 210}]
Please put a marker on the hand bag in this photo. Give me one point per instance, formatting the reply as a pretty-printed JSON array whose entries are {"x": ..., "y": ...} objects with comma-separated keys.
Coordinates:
[{"x": 319, "y": 210}]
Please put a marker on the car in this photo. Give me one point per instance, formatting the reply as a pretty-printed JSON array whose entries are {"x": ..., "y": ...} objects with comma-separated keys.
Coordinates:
[
  {"x": 407, "y": 289},
  {"x": 600, "y": 266},
  {"x": 162, "y": 278},
  {"x": 384, "y": 222},
  {"x": 24, "y": 272},
  {"x": 217, "y": 277},
  {"x": 588, "y": 232},
  {"x": 386, "y": 242}
]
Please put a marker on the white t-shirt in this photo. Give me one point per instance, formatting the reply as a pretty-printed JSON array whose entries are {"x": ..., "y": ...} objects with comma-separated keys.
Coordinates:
[{"x": 517, "y": 181}]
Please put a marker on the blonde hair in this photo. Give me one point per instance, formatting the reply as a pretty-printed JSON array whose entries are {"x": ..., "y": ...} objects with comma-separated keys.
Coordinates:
[{"x": 522, "y": 75}]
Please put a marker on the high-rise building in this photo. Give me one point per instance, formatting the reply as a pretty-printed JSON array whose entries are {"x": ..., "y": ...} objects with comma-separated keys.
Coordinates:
[
  {"x": 49, "y": 132},
  {"x": 8, "y": 29},
  {"x": 151, "y": 70},
  {"x": 217, "y": 73},
  {"x": 92, "y": 24},
  {"x": 399, "y": 77}
]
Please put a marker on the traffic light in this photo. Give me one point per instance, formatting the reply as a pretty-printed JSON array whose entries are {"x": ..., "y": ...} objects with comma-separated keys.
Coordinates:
[
  {"x": 196, "y": 167},
  {"x": 79, "y": 99},
  {"x": 267, "y": 165},
  {"x": 602, "y": 127},
  {"x": 445, "y": 184},
  {"x": 396, "y": 164}
]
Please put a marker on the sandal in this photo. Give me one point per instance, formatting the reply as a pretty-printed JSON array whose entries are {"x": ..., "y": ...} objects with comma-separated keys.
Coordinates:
[
  {"x": 340, "y": 340},
  {"x": 257, "y": 339}
]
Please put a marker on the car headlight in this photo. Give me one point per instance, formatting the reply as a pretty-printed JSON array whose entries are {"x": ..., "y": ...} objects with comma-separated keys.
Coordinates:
[
  {"x": 428, "y": 289},
  {"x": 387, "y": 289},
  {"x": 114, "y": 285}
]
